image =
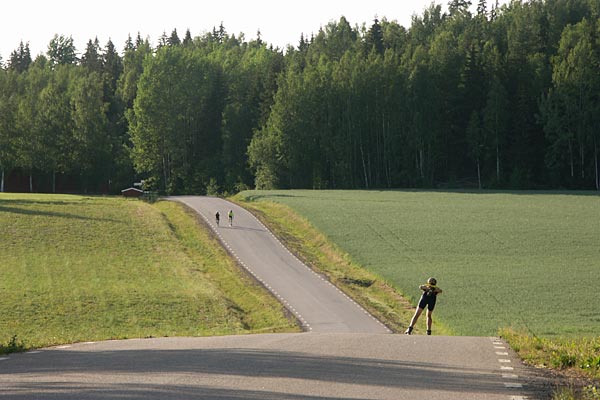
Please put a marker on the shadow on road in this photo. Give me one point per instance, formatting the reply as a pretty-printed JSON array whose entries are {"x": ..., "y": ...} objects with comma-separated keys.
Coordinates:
[
  {"x": 240, "y": 228},
  {"x": 230, "y": 362}
]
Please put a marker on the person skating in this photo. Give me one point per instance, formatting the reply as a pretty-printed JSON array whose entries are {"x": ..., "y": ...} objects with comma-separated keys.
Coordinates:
[
  {"x": 230, "y": 215},
  {"x": 428, "y": 299}
]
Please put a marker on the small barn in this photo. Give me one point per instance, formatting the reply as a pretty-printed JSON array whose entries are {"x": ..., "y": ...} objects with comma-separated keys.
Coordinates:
[{"x": 132, "y": 192}]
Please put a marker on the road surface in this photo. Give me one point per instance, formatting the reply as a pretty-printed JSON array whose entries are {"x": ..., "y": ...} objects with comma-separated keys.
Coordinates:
[{"x": 302, "y": 366}]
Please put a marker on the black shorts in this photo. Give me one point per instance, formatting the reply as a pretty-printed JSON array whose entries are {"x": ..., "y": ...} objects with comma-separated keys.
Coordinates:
[{"x": 427, "y": 301}]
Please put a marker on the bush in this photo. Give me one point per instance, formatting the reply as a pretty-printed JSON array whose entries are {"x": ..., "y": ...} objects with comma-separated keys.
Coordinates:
[{"x": 14, "y": 346}]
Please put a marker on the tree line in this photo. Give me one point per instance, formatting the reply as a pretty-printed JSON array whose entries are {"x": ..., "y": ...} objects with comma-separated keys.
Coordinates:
[{"x": 506, "y": 97}]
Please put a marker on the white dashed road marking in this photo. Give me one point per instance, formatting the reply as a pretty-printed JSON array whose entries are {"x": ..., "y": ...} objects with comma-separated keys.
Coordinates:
[
  {"x": 513, "y": 385},
  {"x": 511, "y": 379}
]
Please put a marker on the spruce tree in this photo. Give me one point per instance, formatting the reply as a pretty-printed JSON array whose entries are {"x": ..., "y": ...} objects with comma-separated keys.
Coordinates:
[
  {"x": 91, "y": 59},
  {"x": 187, "y": 40},
  {"x": 20, "y": 59},
  {"x": 375, "y": 38},
  {"x": 173, "y": 40}
]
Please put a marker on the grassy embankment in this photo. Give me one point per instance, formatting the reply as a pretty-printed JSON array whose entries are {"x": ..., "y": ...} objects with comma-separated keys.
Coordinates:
[
  {"x": 77, "y": 268},
  {"x": 521, "y": 264}
]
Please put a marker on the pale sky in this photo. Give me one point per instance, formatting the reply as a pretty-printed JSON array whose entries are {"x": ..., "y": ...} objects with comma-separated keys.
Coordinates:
[{"x": 280, "y": 22}]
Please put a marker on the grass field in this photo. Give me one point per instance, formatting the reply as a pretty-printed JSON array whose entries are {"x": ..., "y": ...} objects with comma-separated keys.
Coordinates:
[
  {"x": 77, "y": 268},
  {"x": 528, "y": 261}
]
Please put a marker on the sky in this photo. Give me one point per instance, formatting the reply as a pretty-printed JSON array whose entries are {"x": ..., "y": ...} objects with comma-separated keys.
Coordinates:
[{"x": 280, "y": 22}]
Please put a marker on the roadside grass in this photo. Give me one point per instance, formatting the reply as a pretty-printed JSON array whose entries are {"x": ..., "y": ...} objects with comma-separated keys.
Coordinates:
[
  {"x": 577, "y": 357},
  {"x": 520, "y": 260},
  {"x": 80, "y": 268}
]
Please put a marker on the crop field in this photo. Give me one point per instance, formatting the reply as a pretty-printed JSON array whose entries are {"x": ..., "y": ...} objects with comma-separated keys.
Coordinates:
[
  {"x": 79, "y": 268},
  {"x": 523, "y": 260}
]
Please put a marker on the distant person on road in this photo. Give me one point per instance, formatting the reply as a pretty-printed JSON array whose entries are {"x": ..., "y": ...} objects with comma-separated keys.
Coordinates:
[
  {"x": 428, "y": 298},
  {"x": 217, "y": 218},
  {"x": 230, "y": 215}
]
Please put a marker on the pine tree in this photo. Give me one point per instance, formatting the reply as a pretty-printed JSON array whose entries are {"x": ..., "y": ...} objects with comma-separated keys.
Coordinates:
[
  {"x": 91, "y": 59},
  {"x": 61, "y": 50},
  {"x": 459, "y": 7},
  {"x": 20, "y": 59},
  {"x": 173, "y": 40},
  {"x": 163, "y": 40},
  {"x": 482, "y": 8},
  {"x": 139, "y": 41},
  {"x": 128, "y": 44},
  {"x": 375, "y": 38},
  {"x": 187, "y": 40}
]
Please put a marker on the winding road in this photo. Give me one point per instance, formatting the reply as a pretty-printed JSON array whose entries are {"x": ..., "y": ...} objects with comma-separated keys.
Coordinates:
[
  {"x": 345, "y": 354},
  {"x": 320, "y": 306}
]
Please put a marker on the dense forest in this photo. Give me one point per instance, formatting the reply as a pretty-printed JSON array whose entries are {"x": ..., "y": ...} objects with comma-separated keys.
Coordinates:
[{"x": 504, "y": 98}]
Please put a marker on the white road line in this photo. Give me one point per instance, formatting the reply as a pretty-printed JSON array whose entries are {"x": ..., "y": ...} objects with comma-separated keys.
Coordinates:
[
  {"x": 501, "y": 353},
  {"x": 503, "y": 368},
  {"x": 510, "y": 376},
  {"x": 518, "y": 398},
  {"x": 3, "y": 358},
  {"x": 33, "y": 352},
  {"x": 513, "y": 385},
  {"x": 62, "y": 347},
  {"x": 504, "y": 360}
]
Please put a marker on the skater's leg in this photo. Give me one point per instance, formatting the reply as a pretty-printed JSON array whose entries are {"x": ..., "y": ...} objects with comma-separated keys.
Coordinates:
[
  {"x": 429, "y": 321},
  {"x": 414, "y": 320}
]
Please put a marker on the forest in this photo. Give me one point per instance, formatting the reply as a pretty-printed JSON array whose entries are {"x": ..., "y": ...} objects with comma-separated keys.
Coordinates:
[{"x": 477, "y": 97}]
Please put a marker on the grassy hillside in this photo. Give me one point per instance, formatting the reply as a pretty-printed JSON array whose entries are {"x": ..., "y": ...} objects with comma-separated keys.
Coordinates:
[
  {"x": 76, "y": 268},
  {"x": 526, "y": 261}
]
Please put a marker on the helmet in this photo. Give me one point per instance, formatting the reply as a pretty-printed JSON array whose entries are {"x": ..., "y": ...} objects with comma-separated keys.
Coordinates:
[{"x": 432, "y": 281}]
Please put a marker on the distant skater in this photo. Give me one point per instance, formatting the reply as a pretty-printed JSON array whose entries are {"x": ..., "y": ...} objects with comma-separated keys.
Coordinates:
[
  {"x": 217, "y": 218},
  {"x": 428, "y": 298},
  {"x": 230, "y": 214}
]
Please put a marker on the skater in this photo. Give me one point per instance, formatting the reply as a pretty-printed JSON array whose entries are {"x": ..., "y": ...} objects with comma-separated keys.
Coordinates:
[
  {"x": 230, "y": 214},
  {"x": 217, "y": 218},
  {"x": 428, "y": 298}
]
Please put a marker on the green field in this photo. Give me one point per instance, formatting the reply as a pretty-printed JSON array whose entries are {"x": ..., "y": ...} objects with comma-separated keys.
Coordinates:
[
  {"x": 78, "y": 268},
  {"x": 525, "y": 260}
]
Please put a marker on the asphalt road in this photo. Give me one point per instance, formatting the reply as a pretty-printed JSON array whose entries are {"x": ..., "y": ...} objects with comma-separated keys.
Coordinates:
[
  {"x": 299, "y": 366},
  {"x": 319, "y": 305},
  {"x": 346, "y": 355}
]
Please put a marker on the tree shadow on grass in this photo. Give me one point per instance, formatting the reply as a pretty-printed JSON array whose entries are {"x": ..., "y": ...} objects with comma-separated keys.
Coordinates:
[{"x": 14, "y": 209}]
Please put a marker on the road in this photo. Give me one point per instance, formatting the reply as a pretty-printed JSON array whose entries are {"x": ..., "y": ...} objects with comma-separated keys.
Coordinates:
[
  {"x": 319, "y": 305},
  {"x": 303, "y": 366},
  {"x": 347, "y": 354}
]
